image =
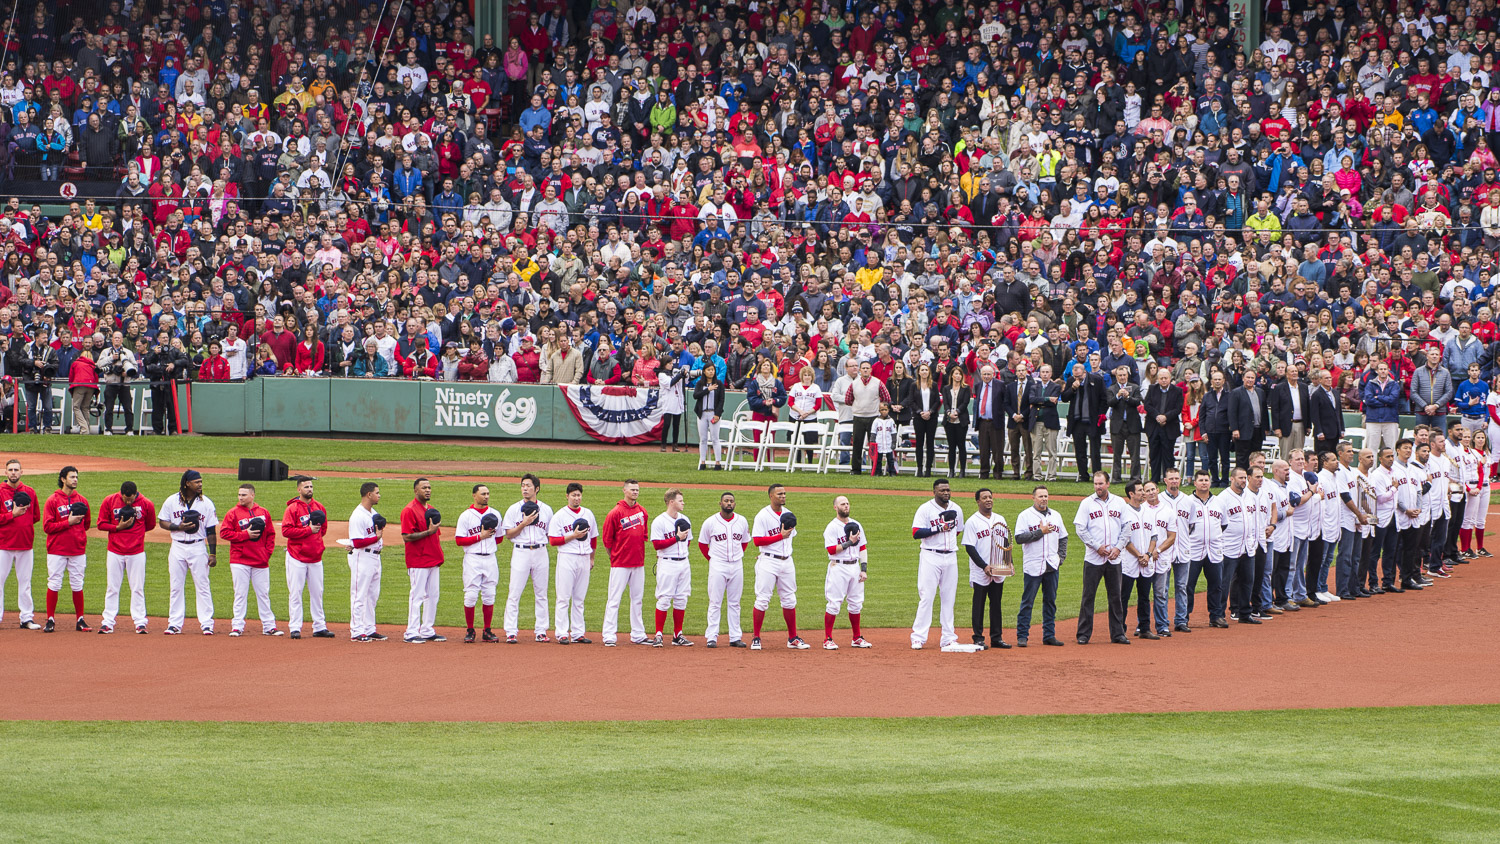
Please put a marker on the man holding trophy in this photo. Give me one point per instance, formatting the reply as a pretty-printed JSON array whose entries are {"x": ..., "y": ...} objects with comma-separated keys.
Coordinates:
[{"x": 987, "y": 542}]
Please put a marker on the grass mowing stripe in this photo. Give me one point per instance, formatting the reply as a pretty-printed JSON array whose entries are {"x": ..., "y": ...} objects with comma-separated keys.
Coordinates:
[{"x": 1329, "y": 775}]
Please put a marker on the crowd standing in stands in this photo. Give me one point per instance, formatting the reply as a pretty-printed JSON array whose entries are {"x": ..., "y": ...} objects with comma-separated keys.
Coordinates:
[{"x": 1035, "y": 203}]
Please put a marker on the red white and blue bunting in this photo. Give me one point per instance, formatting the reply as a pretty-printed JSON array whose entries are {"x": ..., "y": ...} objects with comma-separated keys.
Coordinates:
[{"x": 620, "y": 415}]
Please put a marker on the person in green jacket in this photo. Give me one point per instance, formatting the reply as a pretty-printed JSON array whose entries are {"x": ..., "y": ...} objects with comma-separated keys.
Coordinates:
[{"x": 663, "y": 114}]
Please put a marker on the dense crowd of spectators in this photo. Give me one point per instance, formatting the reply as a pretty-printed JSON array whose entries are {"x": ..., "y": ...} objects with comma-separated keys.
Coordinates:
[{"x": 362, "y": 190}]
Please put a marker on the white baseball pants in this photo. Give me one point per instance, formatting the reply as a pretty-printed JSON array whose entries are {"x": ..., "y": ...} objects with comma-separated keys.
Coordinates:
[
  {"x": 937, "y": 576},
  {"x": 481, "y": 575},
  {"x": 619, "y": 579},
  {"x": 73, "y": 565},
  {"x": 21, "y": 561},
  {"x": 674, "y": 583},
  {"x": 772, "y": 576},
  {"x": 422, "y": 601},
  {"x": 572, "y": 588},
  {"x": 182, "y": 560},
  {"x": 842, "y": 585},
  {"x": 1476, "y": 509},
  {"x": 708, "y": 440},
  {"x": 527, "y": 564},
  {"x": 246, "y": 578},
  {"x": 726, "y": 586},
  {"x": 118, "y": 568},
  {"x": 309, "y": 575},
  {"x": 364, "y": 591}
]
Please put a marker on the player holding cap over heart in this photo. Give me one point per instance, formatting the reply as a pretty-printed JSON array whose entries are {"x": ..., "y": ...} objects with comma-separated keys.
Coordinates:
[
  {"x": 251, "y": 536},
  {"x": 848, "y": 563},
  {"x": 65, "y": 520},
  {"x": 421, "y": 534},
  {"x": 576, "y": 535},
  {"x": 475, "y": 534},
  {"x": 936, "y": 526},
  {"x": 525, "y": 525},
  {"x": 193, "y": 522},
  {"x": 303, "y": 525},
  {"x": 20, "y": 511},
  {"x": 775, "y": 527},
  {"x": 366, "y": 543},
  {"x": 671, "y": 536}
]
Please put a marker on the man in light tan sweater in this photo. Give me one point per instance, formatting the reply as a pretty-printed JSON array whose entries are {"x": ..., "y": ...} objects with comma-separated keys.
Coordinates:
[{"x": 565, "y": 363}]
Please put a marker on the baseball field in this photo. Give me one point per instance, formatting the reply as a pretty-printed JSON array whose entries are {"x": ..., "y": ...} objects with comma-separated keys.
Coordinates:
[{"x": 1363, "y": 721}]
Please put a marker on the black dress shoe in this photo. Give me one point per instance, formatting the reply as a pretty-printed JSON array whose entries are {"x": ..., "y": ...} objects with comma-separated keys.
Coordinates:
[
  {"x": 1052, "y": 641},
  {"x": 1120, "y": 640},
  {"x": 1394, "y": 588},
  {"x": 1183, "y": 628},
  {"x": 1248, "y": 619},
  {"x": 1149, "y": 635},
  {"x": 1000, "y": 643},
  {"x": 1020, "y": 643},
  {"x": 1220, "y": 623},
  {"x": 1365, "y": 593},
  {"x": 1377, "y": 590},
  {"x": 1083, "y": 641}
]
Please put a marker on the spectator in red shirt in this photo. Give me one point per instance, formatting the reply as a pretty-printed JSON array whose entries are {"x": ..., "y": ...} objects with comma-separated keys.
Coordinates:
[{"x": 281, "y": 342}]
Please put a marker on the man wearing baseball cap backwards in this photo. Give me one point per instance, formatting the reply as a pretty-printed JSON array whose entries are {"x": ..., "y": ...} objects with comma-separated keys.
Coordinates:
[
  {"x": 252, "y": 537},
  {"x": 193, "y": 522}
]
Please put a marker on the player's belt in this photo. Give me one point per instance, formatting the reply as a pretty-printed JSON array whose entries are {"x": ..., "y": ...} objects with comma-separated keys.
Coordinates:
[
  {"x": 483, "y": 553},
  {"x": 774, "y": 556},
  {"x": 939, "y": 550},
  {"x": 846, "y": 562},
  {"x": 528, "y": 547},
  {"x": 187, "y": 541},
  {"x": 672, "y": 559}
]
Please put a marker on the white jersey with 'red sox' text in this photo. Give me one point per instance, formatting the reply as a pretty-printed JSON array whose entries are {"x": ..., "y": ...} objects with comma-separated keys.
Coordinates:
[
  {"x": 173, "y": 508},
  {"x": 833, "y": 536},
  {"x": 930, "y": 516},
  {"x": 726, "y": 540},
  {"x": 468, "y": 525},
  {"x": 534, "y": 533},
  {"x": 665, "y": 527},
  {"x": 1099, "y": 523},
  {"x": 768, "y": 523},
  {"x": 562, "y": 524},
  {"x": 362, "y": 526}
]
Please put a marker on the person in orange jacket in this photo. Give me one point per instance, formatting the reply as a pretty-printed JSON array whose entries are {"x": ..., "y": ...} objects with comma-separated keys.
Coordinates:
[{"x": 251, "y": 535}]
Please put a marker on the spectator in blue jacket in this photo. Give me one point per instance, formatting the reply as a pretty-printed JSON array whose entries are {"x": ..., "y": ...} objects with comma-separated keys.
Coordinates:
[
  {"x": 1382, "y": 405},
  {"x": 1462, "y": 350}
]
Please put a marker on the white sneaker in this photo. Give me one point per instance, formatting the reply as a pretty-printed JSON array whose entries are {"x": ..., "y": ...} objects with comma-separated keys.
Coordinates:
[
  {"x": 1332, "y": 598},
  {"x": 830, "y": 645},
  {"x": 915, "y": 646}
]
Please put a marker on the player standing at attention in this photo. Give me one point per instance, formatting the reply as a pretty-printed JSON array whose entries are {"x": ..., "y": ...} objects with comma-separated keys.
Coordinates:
[
  {"x": 1044, "y": 546},
  {"x": 844, "y": 539},
  {"x": 66, "y": 522},
  {"x": 936, "y": 525},
  {"x": 525, "y": 525},
  {"x": 19, "y": 513},
  {"x": 366, "y": 541},
  {"x": 303, "y": 525},
  {"x": 125, "y": 516},
  {"x": 624, "y": 534},
  {"x": 986, "y": 533},
  {"x": 1100, "y": 525},
  {"x": 775, "y": 526},
  {"x": 422, "y": 539},
  {"x": 252, "y": 537},
  {"x": 671, "y": 534},
  {"x": 576, "y": 535},
  {"x": 193, "y": 522},
  {"x": 474, "y": 532},
  {"x": 722, "y": 541}
]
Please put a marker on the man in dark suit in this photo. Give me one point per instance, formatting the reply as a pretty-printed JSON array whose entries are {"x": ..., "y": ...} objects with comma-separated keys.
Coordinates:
[
  {"x": 1043, "y": 396},
  {"x": 1247, "y": 419},
  {"x": 1290, "y": 412},
  {"x": 1213, "y": 420},
  {"x": 1019, "y": 417},
  {"x": 989, "y": 420},
  {"x": 1327, "y": 414},
  {"x": 1125, "y": 423},
  {"x": 1163, "y": 422},
  {"x": 1087, "y": 401}
]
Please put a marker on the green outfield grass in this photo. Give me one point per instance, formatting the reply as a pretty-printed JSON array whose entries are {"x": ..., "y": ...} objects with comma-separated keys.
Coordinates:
[
  {"x": 1334, "y": 775},
  {"x": 891, "y": 593}
]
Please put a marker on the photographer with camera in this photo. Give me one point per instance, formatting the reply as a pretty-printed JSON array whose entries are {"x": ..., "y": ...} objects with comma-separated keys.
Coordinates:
[
  {"x": 165, "y": 366},
  {"x": 117, "y": 367},
  {"x": 34, "y": 364}
]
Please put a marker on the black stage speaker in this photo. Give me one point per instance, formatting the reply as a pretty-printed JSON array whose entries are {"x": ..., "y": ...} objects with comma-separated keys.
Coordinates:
[{"x": 262, "y": 470}]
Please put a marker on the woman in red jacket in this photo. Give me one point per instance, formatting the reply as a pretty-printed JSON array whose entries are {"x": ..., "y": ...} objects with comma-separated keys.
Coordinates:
[
  {"x": 528, "y": 362},
  {"x": 83, "y": 385},
  {"x": 307, "y": 359},
  {"x": 215, "y": 367}
]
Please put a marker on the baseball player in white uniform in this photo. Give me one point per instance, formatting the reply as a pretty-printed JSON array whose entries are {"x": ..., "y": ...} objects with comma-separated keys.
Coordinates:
[
  {"x": 983, "y": 533},
  {"x": 848, "y": 569},
  {"x": 366, "y": 541},
  {"x": 575, "y": 532},
  {"x": 936, "y": 526},
  {"x": 722, "y": 540},
  {"x": 672, "y": 537},
  {"x": 775, "y": 527},
  {"x": 192, "y": 520},
  {"x": 474, "y": 532},
  {"x": 525, "y": 525}
]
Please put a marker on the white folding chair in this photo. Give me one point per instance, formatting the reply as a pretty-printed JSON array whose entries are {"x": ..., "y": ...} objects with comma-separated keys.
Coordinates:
[
  {"x": 1356, "y": 437},
  {"x": 832, "y": 448},
  {"x": 906, "y": 455},
  {"x": 810, "y": 457},
  {"x": 779, "y": 437},
  {"x": 744, "y": 451}
]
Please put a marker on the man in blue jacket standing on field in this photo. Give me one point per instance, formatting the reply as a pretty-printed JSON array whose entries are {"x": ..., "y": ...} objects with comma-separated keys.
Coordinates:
[{"x": 1382, "y": 404}]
